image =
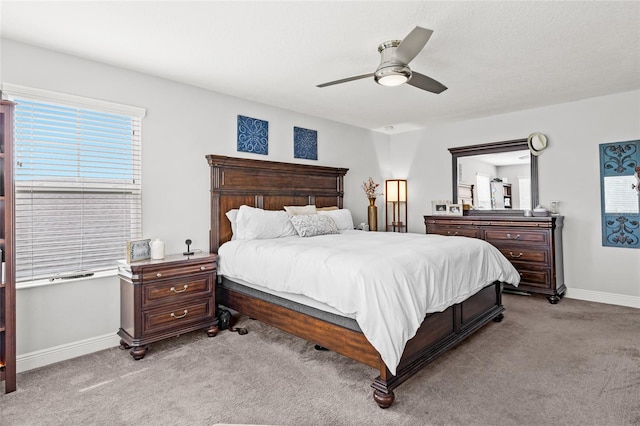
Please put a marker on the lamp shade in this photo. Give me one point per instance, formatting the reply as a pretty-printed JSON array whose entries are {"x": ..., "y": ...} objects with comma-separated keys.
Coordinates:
[{"x": 396, "y": 190}]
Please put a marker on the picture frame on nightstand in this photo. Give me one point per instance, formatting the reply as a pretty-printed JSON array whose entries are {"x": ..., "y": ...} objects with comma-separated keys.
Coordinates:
[{"x": 138, "y": 250}]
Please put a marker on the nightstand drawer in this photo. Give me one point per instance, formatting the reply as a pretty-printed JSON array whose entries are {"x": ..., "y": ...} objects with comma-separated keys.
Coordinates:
[
  {"x": 172, "y": 291},
  {"x": 177, "y": 316},
  {"x": 163, "y": 272}
]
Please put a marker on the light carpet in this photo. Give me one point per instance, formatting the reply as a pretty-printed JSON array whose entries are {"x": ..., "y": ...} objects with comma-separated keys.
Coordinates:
[{"x": 571, "y": 363}]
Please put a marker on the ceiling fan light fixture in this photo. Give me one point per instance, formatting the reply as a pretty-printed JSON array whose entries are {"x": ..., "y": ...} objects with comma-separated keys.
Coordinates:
[{"x": 392, "y": 76}]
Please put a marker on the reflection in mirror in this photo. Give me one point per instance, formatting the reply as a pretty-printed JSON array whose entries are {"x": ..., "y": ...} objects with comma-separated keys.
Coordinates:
[{"x": 500, "y": 177}]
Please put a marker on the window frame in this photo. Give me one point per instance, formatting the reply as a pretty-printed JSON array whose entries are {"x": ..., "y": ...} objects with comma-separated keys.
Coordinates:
[{"x": 78, "y": 186}]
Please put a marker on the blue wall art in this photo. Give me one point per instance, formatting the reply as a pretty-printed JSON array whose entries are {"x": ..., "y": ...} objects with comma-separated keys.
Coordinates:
[
  {"x": 620, "y": 200},
  {"x": 253, "y": 135},
  {"x": 305, "y": 143}
]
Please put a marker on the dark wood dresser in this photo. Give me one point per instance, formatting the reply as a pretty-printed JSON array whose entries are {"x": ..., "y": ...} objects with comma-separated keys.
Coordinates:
[
  {"x": 165, "y": 298},
  {"x": 532, "y": 244}
]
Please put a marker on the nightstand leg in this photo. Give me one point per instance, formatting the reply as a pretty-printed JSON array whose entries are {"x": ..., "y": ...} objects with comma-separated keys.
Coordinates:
[{"x": 212, "y": 331}]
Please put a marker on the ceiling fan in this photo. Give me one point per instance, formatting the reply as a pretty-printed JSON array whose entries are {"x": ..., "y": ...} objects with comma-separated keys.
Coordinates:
[{"x": 394, "y": 70}]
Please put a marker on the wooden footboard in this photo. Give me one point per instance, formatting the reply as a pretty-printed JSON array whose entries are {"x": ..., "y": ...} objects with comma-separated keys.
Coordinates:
[{"x": 438, "y": 332}]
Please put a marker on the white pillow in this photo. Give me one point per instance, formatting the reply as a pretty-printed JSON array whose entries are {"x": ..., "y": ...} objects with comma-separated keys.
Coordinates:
[
  {"x": 297, "y": 210},
  {"x": 341, "y": 217},
  {"x": 232, "y": 215},
  {"x": 254, "y": 224},
  {"x": 310, "y": 225}
]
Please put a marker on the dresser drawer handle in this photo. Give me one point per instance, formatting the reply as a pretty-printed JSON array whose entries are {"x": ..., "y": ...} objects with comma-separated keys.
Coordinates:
[
  {"x": 184, "y": 288},
  {"x": 452, "y": 233},
  {"x": 515, "y": 256},
  {"x": 513, "y": 238},
  {"x": 158, "y": 274},
  {"x": 180, "y": 316},
  {"x": 202, "y": 268}
]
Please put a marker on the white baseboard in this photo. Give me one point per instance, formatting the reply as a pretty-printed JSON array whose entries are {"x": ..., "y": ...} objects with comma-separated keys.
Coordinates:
[
  {"x": 63, "y": 352},
  {"x": 602, "y": 297}
]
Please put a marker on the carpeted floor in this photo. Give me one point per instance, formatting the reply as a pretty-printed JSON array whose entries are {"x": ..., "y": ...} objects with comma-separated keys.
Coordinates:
[{"x": 571, "y": 363}]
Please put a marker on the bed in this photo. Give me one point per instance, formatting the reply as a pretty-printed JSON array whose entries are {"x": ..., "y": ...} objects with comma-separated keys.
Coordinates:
[{"x": 271, "y": 186}]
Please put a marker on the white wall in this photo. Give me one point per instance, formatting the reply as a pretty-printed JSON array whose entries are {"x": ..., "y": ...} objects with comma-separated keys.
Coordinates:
[
  {"x": 185, "y": 123},
  {"x": 182, "y": 125},
  {"x": 568, "y": 171}
]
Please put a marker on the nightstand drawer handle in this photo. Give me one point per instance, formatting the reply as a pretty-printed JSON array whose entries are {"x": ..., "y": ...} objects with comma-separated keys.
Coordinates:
[
  {"x": 180, "y": 316},
  {"x": 184, "y": 288},
  {"x": 158, "y": 275},
  {"x": 202, "y": 268},
  {"x": 515, "y": 256},
  {"x": 452, "y": 233},
  {"x": 513, "y": 238}
]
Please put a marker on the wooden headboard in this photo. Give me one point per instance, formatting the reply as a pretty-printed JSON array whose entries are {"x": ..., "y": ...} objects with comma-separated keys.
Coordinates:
[{"x": 268, "y": 185}]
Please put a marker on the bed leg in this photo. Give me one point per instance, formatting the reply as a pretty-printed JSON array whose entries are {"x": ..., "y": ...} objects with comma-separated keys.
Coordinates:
[
  {"x": 499, "y": 318},
  {"x": 383, "y": 399},
  {"x": 382, "y": 393}
]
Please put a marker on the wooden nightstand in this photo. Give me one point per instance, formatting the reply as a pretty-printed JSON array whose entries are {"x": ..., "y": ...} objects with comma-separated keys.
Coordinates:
[{"x": 165, "y": 298}]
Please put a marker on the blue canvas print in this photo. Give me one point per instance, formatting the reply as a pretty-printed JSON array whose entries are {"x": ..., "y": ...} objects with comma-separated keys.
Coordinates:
[
  {"x": 253, "y": 135},
  {"x": 305, "y": 143}
]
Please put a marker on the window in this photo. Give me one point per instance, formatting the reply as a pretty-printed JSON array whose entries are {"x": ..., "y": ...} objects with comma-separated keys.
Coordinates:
[
  {"x": 524, "y": 188},
  {"x": 484, "y": 191},
  {"x": 77, "y": 183}
]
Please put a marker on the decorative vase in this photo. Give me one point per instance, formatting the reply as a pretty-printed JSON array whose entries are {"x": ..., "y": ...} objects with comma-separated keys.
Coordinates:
[{"x": 372, "y": 214}]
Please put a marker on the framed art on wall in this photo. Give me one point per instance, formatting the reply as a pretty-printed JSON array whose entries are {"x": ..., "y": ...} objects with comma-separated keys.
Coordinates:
[
  {"x": 619, "y": 200},
  {"x": 305, "y": 143},
  {"x": 253, "y": 135}
]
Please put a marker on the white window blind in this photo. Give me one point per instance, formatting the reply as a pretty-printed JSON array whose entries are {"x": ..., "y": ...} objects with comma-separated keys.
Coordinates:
[{"x": 78, "y": 187}]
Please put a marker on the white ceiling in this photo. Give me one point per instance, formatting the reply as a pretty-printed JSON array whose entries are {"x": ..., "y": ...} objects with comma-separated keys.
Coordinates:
[{"x": 494, "y": 57}]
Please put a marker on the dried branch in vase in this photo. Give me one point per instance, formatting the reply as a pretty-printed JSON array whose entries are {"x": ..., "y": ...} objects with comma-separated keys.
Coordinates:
[{"x": 370, "y": 188}]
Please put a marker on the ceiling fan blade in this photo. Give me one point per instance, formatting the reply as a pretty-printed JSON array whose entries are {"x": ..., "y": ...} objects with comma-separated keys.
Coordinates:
[
  {"x": 423, "y": 82},
  {"x": 345, "y": 80},
  {"x": 412, "y": 45}
]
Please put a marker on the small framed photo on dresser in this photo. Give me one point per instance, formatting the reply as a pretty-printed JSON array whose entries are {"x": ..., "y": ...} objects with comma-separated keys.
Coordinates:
[
  {"x": 440, "y": 208},
  {"x": 455, "y": 209},
  {"x": 138, "y": 250}
]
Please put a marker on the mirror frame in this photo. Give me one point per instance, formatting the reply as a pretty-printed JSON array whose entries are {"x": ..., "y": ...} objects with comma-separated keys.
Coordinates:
[{"x": 492, "y": 148}]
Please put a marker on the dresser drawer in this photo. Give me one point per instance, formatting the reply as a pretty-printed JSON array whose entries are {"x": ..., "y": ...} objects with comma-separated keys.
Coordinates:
[
  {"x": 538, "y": 278},
  {"x": 516, "y": 235},
  {"x": 459, "y": 231},
  {"x": 172, "y": 291},
  {"x": 525, "y": 254},
  {"x": 177, "y": 316},
  {"x": 162, "y": 272}
]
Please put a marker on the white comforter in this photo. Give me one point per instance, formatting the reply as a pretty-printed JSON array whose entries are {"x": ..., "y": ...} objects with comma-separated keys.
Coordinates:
[{"x": 387, "y": 281}]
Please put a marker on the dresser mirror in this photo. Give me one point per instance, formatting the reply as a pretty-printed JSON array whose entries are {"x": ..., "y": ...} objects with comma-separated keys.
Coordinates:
[{"x": 495, "y": 178}]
